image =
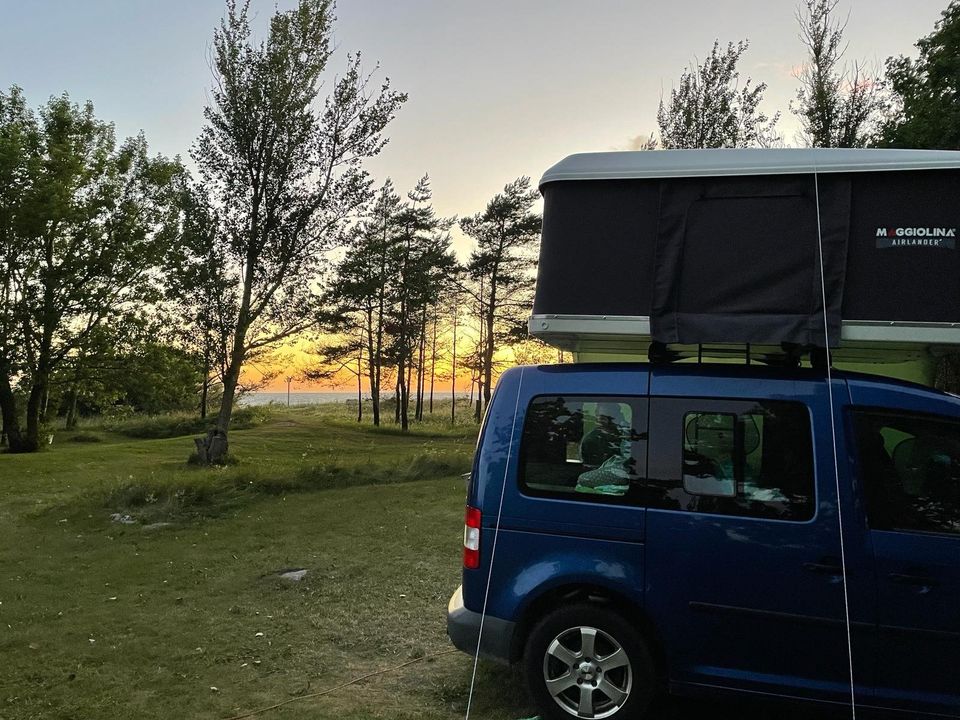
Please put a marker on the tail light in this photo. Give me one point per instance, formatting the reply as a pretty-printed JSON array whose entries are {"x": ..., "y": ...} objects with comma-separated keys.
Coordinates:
[{"x": 471, "y": 538}]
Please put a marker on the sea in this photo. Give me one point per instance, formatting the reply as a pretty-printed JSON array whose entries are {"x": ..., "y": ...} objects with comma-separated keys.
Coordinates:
[
  {"x": 319, "y": 398},
  {"x": 297, "y": 398}
]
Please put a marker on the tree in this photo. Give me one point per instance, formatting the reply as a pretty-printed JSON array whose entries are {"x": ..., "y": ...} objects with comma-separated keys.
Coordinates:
[
  {"x": 506, "y": 234},
  {"x": 925, "y": 92},
  {"x": 361, "y": 286},
  {"x": 707, "y": 109},
  {"x": 837, "y": 106},
  {"x": 385, "y": 289},
  {"x": 200, "y": 294},
  {"x": 925, "y": 113},
  {"x": 148, "y": 377},
  {"x": 423, "y": 262},
  {"x": 84, "y": 224},
  {"x": 284, "y": 176},
  {"x": 19, "y": 148},
  {"x": 334, "y": 359}
]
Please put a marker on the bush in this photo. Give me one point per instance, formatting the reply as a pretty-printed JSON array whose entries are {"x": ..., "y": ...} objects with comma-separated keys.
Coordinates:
[
  {"x": 180, "y": 424},
  {"x": 210, "y": 493},
  {"x": 428, "y": 465},
  {"x": 86, "y": 437}
]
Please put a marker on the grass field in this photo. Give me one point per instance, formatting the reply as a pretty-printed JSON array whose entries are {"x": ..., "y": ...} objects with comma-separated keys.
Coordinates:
[
  {"x": 101, "y": 619},
  {"x": 177, "y": 611}
]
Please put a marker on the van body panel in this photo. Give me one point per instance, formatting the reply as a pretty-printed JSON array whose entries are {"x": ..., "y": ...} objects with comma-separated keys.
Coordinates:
[
  {"x": 529, "y": 564},
  {"x": 917, "y": 575},
  {"x": 753, "y": 601},
  {"x": 547, "y": 542}
]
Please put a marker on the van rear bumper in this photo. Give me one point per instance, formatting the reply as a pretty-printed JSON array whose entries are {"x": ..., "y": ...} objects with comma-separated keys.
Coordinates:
[{"x": 463, "y": 627}]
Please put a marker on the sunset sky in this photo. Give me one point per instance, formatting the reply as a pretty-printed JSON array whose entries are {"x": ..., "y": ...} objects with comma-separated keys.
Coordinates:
[{"x": 498, "y": 89}]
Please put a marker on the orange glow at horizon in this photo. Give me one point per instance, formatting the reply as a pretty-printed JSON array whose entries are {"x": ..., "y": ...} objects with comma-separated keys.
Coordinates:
[{"x": 294, "y": 357}]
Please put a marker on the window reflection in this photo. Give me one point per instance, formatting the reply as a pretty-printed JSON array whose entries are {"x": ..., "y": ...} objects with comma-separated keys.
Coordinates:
[
  {"x": 736, "y": 458},
  {"x": 581, "y": 445},
  {"x": 910, "y": 466}
]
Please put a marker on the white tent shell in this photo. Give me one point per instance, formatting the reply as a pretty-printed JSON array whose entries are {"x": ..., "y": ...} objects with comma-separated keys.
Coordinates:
[{"x": 724, "y": 163}]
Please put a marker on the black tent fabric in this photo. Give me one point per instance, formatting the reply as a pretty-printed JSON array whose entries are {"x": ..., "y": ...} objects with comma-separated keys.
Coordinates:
[
  {"x": 597, "y": 251},
  {"x": 903, "y": 258},
  {"x": 735, "y": 259}
]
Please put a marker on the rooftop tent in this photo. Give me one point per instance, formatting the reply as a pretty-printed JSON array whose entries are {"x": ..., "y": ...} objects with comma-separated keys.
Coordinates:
[{"x": 693, "y": 247}]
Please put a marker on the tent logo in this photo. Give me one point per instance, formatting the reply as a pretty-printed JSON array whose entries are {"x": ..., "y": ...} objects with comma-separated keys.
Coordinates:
[{"x": 939, "y": 237}]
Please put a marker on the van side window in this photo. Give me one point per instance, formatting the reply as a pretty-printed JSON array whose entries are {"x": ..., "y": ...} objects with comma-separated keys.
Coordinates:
[
  {"x": 910, "y": 469},
  {"x": 589, "y": 447},
  {"x": 731, "y": 457}
]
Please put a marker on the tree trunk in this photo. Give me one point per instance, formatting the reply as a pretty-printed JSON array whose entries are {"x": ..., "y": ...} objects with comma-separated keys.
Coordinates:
[
  {"x": 488, "y": 362},
  {"x": 372, "y": 371},
  {"x": 38, "y": 392},
  {"x": 405, "y": 393},
  {"x": 453, "y": 371},
  {"x": 490, "y": 338},
  {"x": 16, "y": 442},
  {"x": 396, "y": 397},
  {"x": 44, "y": 404},
  {"x": 205, "y": 387},
  {"x": 360, "y": 385},
  {"x": 72, "y": 409},
  {"x": 433, "y": 361},
  {"x": 34, "y": 402},
  {"x": 212, "y": 449},
  {"x": 418, "y": 413}
]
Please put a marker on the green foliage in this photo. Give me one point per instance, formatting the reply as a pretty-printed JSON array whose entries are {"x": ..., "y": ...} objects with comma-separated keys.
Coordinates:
[
  {"x": 708, "y": 109},
  {"x": 284, "y": 175},
  {"x": 200, "y": 289},
  {"x": 397, "y": 266},
  {"x": 501, "y": 267},
  {"x": 837, "y": 106},
  {"x": 83, "y": 222},
  {"x": 179, "y": 424},
  {"x": 926, "y": 91},
  {"x": 160, "y": 379}
]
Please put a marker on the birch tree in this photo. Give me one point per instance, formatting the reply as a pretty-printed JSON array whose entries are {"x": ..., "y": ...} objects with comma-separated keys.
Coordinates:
[
  {"x": 710, "y": 109},
  {"x": 285, "y": 173},
  {"x": 837, "y": 104}
]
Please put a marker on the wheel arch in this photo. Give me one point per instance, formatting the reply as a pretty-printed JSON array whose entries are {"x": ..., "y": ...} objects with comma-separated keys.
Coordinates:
[{"x": 570, "y": 593}]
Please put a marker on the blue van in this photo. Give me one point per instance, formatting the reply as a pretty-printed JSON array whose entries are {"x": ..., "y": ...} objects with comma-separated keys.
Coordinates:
[{"x": 632, "y": 528}]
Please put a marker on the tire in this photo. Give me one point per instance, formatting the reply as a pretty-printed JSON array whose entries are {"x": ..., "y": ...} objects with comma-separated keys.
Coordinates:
[{"x": 615, "y": 680}]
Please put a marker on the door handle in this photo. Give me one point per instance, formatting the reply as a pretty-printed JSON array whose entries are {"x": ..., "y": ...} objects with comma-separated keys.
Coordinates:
[
  {"x": 904, "y": 579},
  {"x": 823, "y": 568}
]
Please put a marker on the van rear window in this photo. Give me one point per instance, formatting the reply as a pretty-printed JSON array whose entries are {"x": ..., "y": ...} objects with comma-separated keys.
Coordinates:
[{"x": 586, "y": 447}]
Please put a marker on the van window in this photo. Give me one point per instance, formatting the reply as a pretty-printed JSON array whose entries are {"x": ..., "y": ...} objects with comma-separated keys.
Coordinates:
[
  {"x": 588, "y": 447},
  {"x": 910, "y": 469},
  {"x": 731, "y": 457}
]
